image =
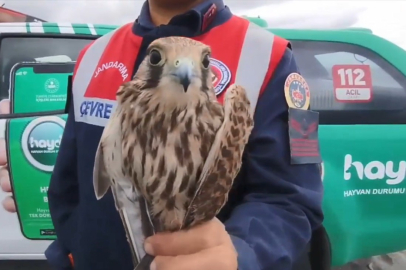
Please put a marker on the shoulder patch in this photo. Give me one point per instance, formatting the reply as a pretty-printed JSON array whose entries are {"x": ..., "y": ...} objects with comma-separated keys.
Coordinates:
[
  {"x": 221, "y": 75},
  {"x": 297, "y": 92},
  {"x": 304, "y": 137}
]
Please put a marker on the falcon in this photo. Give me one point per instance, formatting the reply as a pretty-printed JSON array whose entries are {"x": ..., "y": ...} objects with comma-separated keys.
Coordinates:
[{"x": 170, "y": 150}]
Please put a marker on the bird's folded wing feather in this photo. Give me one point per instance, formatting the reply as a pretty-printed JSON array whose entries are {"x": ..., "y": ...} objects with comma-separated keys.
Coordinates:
[
  {"x": 130, "y": 213},
  {"x": 224, "y": 158},
  {"x": 101, "y": 180},
  {"x": 125, "y": 195}
]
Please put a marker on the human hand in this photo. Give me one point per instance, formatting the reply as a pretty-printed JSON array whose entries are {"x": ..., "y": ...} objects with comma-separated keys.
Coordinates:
[
  {"x": 8, "y": 202},
  {"x": 5, "y": 106},
  {"x": 207, "y": 246}
]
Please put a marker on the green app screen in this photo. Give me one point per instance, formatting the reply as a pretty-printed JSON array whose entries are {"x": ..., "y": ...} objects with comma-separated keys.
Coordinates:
[
  {"x": 32, "y": 147},
  {"x": 38, "y": 92}
]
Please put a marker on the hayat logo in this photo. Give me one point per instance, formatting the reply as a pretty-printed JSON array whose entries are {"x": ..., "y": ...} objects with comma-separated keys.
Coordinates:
[
  {"x": 116, "y": 65},
  {"x": 376, "y": 170},
  {"x": 41, "y": 140}
]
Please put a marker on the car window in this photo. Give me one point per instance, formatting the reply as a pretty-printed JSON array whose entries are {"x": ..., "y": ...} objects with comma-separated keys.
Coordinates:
[
  {"x": 380, "y": 77},
  {"x": 350, "y": 84},
  {"x": 45, "y": 49}
]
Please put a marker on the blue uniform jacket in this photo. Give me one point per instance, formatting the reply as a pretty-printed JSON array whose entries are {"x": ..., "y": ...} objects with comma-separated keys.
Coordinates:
[{"x": 273, "y": 206}]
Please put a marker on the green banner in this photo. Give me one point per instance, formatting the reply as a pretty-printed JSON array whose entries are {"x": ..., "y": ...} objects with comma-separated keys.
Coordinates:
[
  {"x": 32, "y": 148},
  {"x": 37, "y": 87}
]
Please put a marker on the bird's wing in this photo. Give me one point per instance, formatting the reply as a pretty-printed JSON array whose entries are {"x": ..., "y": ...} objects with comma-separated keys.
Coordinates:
[
  {"x": 108, "y": 173},
  {"x": 101, "y": 179},
  {"x": 224, "y": 158},
  {"x": 108, "y": 160}
]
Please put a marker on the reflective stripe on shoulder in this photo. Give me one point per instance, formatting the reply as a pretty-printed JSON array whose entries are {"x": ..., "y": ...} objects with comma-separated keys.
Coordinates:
[
  {"x": 278, "y": 51},
  {"x": 89, "y": 62},
  {"x": 85, "y": 72},
  {"x": 254, "y": 61}
]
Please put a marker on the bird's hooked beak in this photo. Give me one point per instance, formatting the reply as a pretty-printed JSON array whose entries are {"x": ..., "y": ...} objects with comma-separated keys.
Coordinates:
[{"x": 184, "y": 71}]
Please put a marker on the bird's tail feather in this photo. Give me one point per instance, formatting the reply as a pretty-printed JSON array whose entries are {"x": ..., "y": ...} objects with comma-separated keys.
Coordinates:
[
  {"x": 148, "y": 227},
  {"x": 145, "y": 262},
  {"x": 130, "y": 236},
  {"x": 132, "y": 215},
  {"x": 148, "y": 230},
  {"x": 139, "y": 225}
]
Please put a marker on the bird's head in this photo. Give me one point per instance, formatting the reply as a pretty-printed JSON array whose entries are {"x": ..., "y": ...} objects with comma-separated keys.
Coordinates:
[{"x": 178, "y": 68}]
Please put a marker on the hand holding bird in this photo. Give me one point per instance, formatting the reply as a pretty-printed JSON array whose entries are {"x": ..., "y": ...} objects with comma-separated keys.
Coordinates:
[{"x": 206, "y": 246}]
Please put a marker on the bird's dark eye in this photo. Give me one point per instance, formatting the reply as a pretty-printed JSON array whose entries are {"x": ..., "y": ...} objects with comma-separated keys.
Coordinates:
[
  {"x": 155, "y": 57},
  {"x": 206, "y": 61}
]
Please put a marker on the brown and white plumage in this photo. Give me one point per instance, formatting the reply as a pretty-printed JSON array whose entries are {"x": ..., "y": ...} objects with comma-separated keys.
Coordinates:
[{"x": 170, "y": 144}]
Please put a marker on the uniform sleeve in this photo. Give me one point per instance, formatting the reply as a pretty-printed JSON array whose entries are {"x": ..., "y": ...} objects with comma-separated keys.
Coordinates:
[
  {"x": 63, "y": 192},
  {"x": 282, "y": 202}
]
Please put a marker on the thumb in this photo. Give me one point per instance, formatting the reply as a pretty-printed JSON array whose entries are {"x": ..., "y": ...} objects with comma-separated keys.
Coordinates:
[{"x": 186, "y": 242}]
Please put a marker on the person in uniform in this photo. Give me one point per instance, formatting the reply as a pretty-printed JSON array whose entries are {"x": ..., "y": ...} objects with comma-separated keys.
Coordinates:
[{"x": 276, "y": 200}]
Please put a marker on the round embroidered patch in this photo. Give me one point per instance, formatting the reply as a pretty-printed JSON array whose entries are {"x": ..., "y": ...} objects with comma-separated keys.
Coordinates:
[
  {"x": 297, "y": 92},
  {"x": 221, "y": 75}
]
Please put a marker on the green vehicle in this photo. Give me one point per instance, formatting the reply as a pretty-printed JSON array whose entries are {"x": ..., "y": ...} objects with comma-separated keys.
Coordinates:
[{"x": 357, "y": 82}]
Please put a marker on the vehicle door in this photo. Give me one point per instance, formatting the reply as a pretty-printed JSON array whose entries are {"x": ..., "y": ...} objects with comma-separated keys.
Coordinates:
[
  {"x": 358, "y": 85},
  {"x": 27, "y": 47}
]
